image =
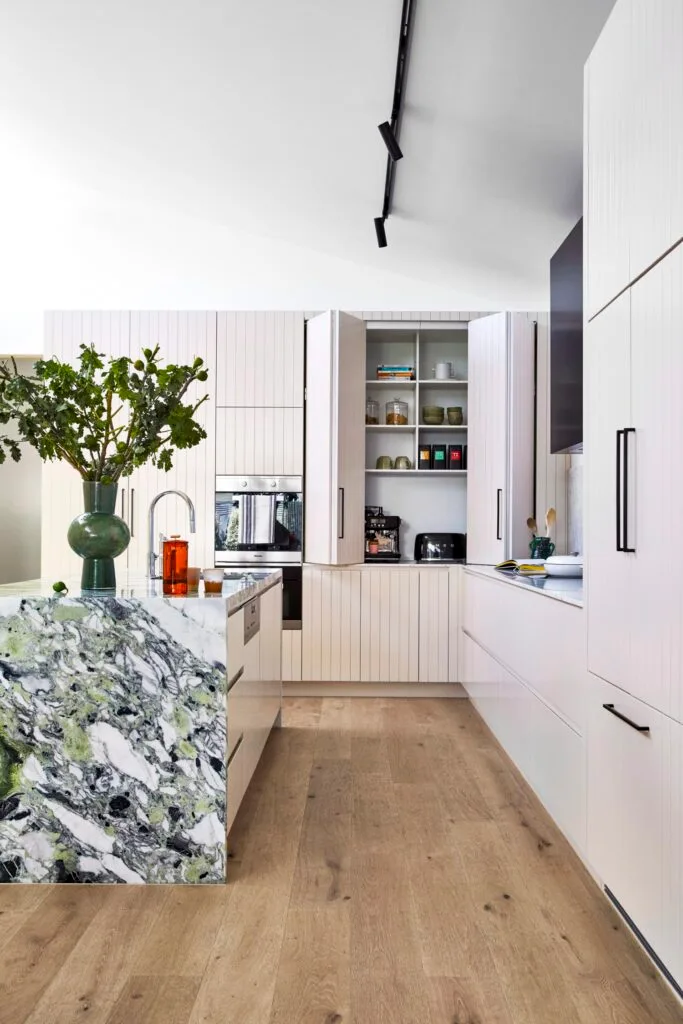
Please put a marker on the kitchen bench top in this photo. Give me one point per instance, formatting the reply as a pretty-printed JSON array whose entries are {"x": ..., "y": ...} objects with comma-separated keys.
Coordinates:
[
  {"x": 236, "y": 592},
  {"x": 569, "y": 591}
]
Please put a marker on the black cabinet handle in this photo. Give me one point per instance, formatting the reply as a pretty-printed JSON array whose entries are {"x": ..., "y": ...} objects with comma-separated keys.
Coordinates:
[
  {"x": 340, "y": 513},
  {"x": 617, "y": 714},
  {"x": 499, "y": 495},
  {"x": 620, "y": 546},
  {"x": 626, "y": 432},
  {"x": 123, "y": 503},
  {"x": 132, "y": 512}
]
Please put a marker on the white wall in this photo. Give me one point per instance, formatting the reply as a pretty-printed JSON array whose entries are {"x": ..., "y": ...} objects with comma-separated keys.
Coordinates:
[{"x": 20, "y": 508}]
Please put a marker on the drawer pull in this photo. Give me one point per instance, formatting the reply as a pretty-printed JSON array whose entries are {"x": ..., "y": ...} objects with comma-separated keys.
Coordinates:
[
  {"x": 617, "y": 714},
  {"x": 234, "y": 750},
  {"x": 235, "y": 679}
]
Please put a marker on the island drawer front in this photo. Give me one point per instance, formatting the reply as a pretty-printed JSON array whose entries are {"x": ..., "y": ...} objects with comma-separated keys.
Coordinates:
[
  {"x": 242, "y": 712},
  {"x": 238, "y": 780},
  {"x": 241, "y": 767},
  {"x": 540, "y": 639},
  {"x": 235, "y": 643}
]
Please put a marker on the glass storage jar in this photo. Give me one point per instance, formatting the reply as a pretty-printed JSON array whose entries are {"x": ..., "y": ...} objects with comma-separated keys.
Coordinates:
[
  {"x": 372, "y": 412},
  {"x": 397, "y": 413}
]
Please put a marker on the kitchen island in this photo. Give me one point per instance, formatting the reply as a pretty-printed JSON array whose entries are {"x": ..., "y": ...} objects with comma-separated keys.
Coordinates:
[{"x": 113, "y": 732}]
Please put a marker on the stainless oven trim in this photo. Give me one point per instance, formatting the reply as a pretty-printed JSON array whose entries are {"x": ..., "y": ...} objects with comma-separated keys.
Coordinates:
[
  {"x": 259, "y": 484},
  {"x": 251, "y": 558}
]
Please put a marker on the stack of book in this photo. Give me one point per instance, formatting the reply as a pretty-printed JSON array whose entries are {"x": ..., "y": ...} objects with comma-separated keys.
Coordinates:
[
  {"x": 395, "y": 372},
  {"x": 515, "y": 568}
]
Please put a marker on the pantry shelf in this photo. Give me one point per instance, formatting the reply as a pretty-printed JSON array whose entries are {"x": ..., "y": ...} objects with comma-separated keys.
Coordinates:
[
  {"x": 417, "y": 472},
  {"x": 391, "y": 428}
]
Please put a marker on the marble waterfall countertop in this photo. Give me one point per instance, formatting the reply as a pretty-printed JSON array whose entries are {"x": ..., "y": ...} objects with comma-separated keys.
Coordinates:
[
  {"x": 238, "y": 588},
  {"x": 560, "y": 588},
  {"x": 113, "y": 738}
]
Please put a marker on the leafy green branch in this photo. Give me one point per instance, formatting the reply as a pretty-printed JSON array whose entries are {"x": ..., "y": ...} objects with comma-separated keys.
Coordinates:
[{"x": 104, "y": 420}]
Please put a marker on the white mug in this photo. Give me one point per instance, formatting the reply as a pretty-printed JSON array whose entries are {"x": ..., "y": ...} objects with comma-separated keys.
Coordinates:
[{"x": 443, "y": 371}]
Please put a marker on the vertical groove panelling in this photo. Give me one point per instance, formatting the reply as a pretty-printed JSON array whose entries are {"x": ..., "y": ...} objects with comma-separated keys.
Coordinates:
[
  {"x": 260, "y": 359},
  {"x": 454, "y": 582},
  {"x": 291, "y": 655},
  {"x": 259, "y": 441},
  {"x": 434, "y": 619}
]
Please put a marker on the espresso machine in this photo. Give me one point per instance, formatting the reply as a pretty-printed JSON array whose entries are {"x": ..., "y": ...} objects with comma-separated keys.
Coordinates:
[{"x": 382, "y": 540}]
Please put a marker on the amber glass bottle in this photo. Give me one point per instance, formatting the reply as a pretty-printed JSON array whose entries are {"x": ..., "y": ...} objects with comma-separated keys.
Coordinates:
[{"x": 175, "y": 565}]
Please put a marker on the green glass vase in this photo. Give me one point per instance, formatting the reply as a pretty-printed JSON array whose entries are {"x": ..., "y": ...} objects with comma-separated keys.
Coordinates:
[{"x": 98, "y": 536}]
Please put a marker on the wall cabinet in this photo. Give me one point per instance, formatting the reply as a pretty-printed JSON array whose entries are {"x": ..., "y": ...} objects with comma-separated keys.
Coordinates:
[
  {"x": 335, "y": 439},
  {"x": 260, "y": 393},
  {"x": 501, "y": 437},
  {"x": 634, "y": 145},
  {"x": 634, "y": 362},
  {"x": 260, "y": 360},
  {"x": 259, "y": 442}
]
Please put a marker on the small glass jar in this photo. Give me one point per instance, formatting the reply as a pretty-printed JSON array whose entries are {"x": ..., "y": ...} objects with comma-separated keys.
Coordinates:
[
  {"x": 372, "y": 412},
  {"x": 397, "y": 413}
]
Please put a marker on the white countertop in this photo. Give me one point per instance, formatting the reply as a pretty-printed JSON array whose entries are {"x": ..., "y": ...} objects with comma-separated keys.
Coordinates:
[
  {"x": 237, "y": 591},
  {"x": 570, "y": 591}
]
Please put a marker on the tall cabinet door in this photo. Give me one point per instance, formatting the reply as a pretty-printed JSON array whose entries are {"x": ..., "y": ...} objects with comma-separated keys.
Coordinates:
[
  {"x": 182, "y": 336},
  {"x": 62, "y": 491},
  {"x": 607, "y": 405},
  {"x": 335, "y": 439},
  {"x": 656, "y": 502},
  {"x": 487, "y": 439},
  {"x": 609, "y": 107}
]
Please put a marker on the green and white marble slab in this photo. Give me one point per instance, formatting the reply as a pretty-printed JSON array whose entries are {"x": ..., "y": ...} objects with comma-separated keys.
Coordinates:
[{"x": 112, "y": 739}]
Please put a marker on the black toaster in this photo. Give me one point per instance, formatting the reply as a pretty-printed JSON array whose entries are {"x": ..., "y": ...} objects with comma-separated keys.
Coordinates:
[{"x": 440, "y": 547}]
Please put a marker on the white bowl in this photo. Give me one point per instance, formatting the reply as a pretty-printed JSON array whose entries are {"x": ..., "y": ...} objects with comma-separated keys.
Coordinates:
[{"x": 569, "y": 566}]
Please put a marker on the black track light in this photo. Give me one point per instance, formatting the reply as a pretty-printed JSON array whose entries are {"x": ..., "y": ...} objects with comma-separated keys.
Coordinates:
[
  {"x": 381, "y": 233},
  {"x": 387, "y": 133}
]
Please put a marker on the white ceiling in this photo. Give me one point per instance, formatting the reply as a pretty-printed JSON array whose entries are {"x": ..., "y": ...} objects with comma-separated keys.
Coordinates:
[{"x": 262, "y": 116}]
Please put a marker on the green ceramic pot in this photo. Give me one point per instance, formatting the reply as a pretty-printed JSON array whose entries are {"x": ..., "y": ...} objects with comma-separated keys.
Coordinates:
[{"x": 98, "y": 536}]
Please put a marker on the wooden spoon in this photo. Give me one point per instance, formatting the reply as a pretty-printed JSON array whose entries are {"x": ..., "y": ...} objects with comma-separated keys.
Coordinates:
[
  {"x": 532, "y": 524},
  {"x": 550, "y": 520}
]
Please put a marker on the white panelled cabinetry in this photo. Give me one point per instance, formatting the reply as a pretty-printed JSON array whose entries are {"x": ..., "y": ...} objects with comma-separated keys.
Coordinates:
[
  {"x": 254, "y": 690},
  {"x": 380, "y": 624},
  {"x": 634, "y": 145},
  {"x": 522, "y": 663},
  {"x": 335, "y": 439},
  {"x": 633, "y": 367},
  {"x": 501, "y": 431},
  {"x": 270, "y": 439},
  {"x": 260, "y": 393},
  {"x": 260, "y": 360}
]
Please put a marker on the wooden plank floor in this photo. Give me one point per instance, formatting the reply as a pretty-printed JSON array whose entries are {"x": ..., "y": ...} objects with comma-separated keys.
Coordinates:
[{"x": 388, "y": 866}]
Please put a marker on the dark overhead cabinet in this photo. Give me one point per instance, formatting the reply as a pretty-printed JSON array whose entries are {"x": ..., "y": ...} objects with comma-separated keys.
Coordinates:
[{"x": 566, "y": 344}]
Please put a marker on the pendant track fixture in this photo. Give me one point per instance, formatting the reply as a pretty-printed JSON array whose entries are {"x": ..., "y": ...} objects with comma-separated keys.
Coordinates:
[{"x": 389, "y": 130}]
